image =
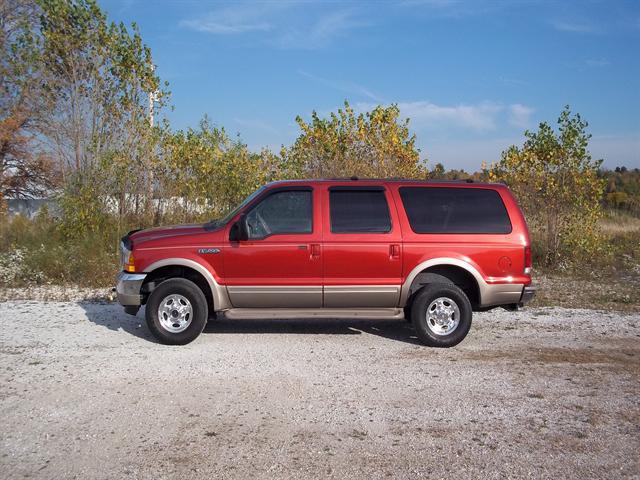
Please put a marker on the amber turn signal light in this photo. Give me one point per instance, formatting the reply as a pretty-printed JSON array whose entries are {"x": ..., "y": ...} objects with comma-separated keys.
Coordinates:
[{"x": 130, "y": 265}]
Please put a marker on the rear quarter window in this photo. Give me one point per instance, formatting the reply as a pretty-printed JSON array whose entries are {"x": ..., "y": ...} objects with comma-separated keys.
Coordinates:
[
  {"x": 455, "y": 210},
  {"x": 359, "y": 210}
]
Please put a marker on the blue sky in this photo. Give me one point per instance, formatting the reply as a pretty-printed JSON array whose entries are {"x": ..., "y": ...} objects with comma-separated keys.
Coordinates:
[{"x": 471, "y": 75}]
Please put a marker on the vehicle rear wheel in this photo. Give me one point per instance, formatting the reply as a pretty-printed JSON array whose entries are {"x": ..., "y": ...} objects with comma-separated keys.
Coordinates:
[
  {"x": 176, "y": 311},
  {"x": 441, "y": 315}
]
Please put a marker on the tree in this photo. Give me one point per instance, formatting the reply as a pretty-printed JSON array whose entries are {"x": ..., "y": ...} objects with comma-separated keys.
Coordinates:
[
  {"x": 211, "y": 173},
  {"x": 557, "y": 185},
  {"x": 371, "y": 144},
  {"x": 97, "y": 79},
  {"x": 25, "y": 170},
  {"x": 438, "y": 172}
]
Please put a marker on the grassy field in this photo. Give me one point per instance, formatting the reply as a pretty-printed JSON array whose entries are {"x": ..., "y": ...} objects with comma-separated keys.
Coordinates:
[{"x": 616, "y": 222}]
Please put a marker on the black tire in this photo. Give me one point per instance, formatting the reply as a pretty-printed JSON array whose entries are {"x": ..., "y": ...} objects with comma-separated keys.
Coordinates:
[
  {"x": 195, "y": 320},
  {"x": 426, "y": 330}
]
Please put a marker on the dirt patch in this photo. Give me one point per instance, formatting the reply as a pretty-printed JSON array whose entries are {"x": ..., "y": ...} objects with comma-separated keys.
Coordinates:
[{"x": 625, "y": 359}]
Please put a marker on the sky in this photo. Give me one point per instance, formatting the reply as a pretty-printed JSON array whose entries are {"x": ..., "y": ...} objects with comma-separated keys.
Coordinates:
[{"x": 471, "y": 75}]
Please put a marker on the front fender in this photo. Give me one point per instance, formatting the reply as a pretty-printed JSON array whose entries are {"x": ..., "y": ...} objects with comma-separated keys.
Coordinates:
[{"x": 218, "y": 292}]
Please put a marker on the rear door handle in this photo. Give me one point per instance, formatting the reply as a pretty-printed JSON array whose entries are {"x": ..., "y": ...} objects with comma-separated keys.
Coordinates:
[
  {"x": 315, "y": 250},
  {"x": 394, "y": 251}
]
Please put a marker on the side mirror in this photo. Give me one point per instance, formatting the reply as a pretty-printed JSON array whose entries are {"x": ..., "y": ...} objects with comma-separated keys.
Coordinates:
[{"x": 239, "y": 230}]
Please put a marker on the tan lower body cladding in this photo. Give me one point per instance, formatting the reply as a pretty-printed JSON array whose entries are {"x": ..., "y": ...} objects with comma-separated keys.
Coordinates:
[{"x": 350, "y": 296}]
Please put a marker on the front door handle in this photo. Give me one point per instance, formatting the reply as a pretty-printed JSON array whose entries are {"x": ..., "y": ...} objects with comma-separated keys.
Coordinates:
[{"x": 315, "y": 250}]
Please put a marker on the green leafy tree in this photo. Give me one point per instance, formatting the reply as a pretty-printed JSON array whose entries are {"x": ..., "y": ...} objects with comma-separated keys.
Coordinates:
[
  {"x": 438, "y": 172},
  {"x": 205, "y": 173},
  {"x": 371, "y": 144},
  {"x": 557, "y": 185}
]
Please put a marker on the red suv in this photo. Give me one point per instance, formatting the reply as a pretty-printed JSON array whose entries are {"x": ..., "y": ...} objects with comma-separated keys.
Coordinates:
[{"x": 431, "y": 252}]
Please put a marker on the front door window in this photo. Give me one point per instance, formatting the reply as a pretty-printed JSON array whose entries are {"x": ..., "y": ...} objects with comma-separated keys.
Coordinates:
[{"x": 287, "y": 212}]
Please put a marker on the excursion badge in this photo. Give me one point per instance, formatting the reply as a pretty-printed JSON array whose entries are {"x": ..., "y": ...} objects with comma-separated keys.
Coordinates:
[{"x": 205, "y": 251}]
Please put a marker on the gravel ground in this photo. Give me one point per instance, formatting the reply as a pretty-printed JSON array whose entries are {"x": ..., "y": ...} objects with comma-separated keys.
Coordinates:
[{"x": 542, "y": 393}]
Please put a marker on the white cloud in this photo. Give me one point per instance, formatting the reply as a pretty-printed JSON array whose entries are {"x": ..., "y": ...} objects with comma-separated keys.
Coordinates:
[
  {"x": 479, "y": 117},
  {"x": 236, "y": 19},
  {"x": 288, "y": 25},
  {"x": 520, "y": 115},
  {"x": 321, "y": 32}
]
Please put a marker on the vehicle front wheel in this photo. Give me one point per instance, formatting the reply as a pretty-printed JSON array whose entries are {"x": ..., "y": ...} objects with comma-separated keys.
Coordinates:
[
  {"x": 441, "y": 315},
  {"x": 176, "y": 311}
]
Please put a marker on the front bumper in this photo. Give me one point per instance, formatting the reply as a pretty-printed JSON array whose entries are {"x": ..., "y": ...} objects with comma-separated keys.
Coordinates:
[
  {"x": 128, "y": 288},
  {"x": 528, "y": 293}
]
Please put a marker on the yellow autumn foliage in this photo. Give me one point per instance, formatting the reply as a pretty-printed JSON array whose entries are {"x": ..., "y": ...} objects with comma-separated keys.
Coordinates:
[
  {"x": 370, "y": 144},
  {"x": 557, "y": 186}
]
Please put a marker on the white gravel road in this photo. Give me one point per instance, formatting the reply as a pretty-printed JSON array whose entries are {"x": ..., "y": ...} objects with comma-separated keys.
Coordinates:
[{"x": 85, "y": 393}]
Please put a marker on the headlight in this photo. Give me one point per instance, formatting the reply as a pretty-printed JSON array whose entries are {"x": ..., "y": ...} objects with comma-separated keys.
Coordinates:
[{"x": 126, "y": 259}]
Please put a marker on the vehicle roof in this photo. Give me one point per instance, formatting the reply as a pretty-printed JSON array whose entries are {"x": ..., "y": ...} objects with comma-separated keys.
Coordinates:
[{"x": 381, "y": 181}]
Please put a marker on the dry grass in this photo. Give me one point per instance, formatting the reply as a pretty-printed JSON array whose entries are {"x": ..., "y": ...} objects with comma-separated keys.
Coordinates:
[
  {"x": 604, "y": 293},
  {"x": 616, "y": 223}
]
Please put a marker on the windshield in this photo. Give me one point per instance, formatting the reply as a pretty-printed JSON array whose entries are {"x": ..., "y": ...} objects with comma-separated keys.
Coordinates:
[{"x": 223, "y": 221}]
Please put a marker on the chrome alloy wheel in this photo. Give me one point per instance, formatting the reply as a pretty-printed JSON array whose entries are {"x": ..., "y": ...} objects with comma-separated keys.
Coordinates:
[
  {"x": 443, "y": 316},
  {"x": 175, "y": 313}
]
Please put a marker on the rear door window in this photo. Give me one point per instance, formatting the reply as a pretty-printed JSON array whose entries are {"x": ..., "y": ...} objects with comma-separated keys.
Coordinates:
[
  {"x": 359, "y": 210},
  {"x": 455, "y": 210}
]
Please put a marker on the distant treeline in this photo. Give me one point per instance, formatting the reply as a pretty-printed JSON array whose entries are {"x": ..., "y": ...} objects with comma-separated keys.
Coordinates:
[{"x": 622, "y": 189}]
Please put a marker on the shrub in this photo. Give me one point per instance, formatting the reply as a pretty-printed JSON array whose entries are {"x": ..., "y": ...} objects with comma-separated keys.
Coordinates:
[{"x": 557, "y": 185}]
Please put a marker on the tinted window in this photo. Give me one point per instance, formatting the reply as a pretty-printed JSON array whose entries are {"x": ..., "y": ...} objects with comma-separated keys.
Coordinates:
[
  {"x": 359, "y": 211},
  {"x": 281, "y": 212},
  {"x": 455, "y": 210}
]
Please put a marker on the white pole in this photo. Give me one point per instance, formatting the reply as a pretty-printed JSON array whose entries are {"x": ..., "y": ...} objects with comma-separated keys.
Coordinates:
[{"x": 151, "y": 100}]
